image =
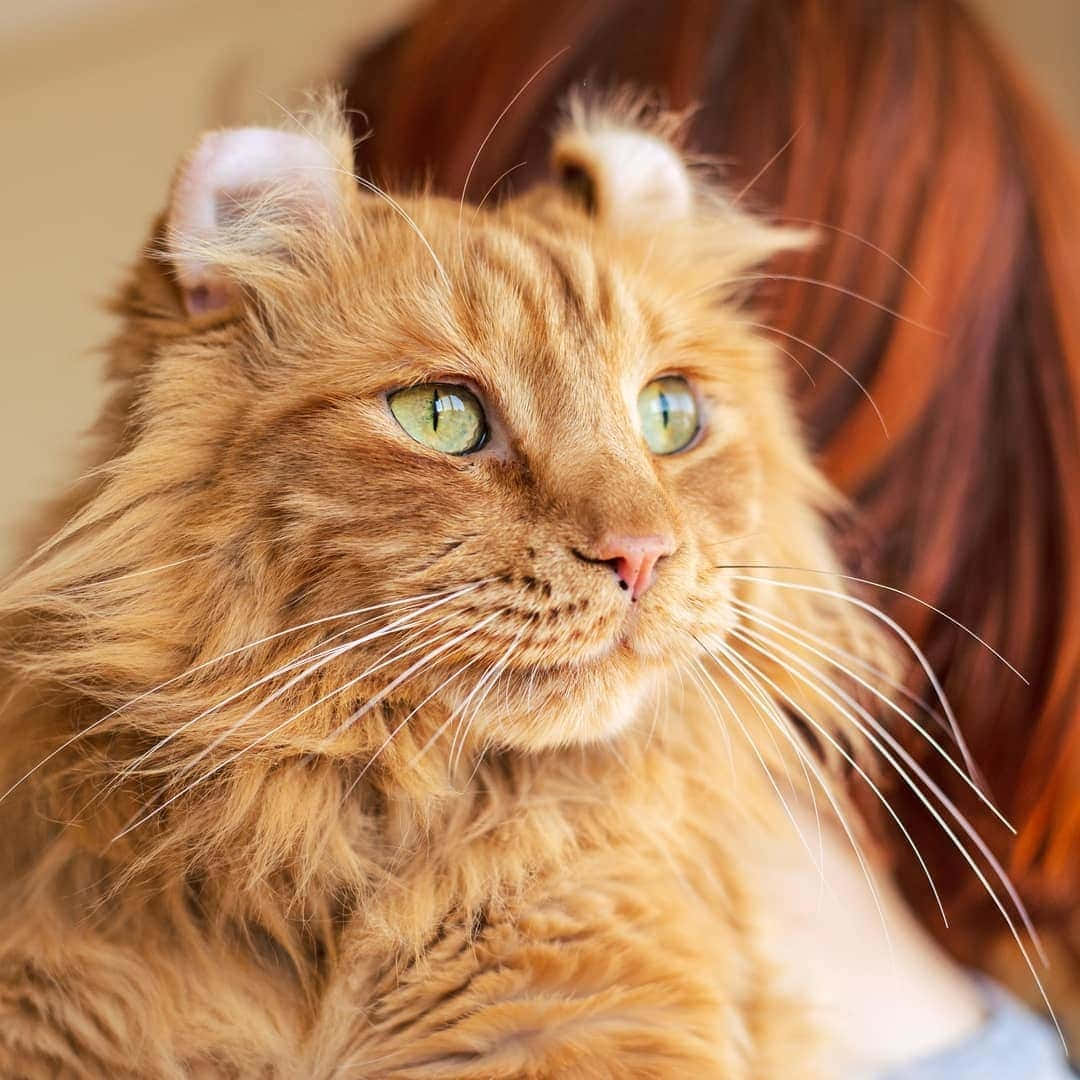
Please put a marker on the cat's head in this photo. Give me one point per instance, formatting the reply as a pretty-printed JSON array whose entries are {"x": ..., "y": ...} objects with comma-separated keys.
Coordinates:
[{"x": 460, "y": 473}]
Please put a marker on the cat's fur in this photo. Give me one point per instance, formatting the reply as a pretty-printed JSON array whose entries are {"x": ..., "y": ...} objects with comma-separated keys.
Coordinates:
[{"x": 549, "y": 886}]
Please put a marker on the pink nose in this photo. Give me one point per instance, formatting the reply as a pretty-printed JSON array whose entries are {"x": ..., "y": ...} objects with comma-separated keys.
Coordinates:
[{"x": 634, "y": 559}]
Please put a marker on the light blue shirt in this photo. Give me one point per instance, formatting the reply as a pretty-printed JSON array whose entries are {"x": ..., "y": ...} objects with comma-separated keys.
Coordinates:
[{"x": 1012, "y": 1044}]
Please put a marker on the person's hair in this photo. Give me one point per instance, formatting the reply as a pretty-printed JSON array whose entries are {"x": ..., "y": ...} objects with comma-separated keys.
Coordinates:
[{"x": 945, "y": 281}]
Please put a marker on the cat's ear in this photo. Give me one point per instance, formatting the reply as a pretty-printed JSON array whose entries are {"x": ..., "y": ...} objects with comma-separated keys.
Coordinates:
[
  {"x": 621, "y": 170},
  {"x": 620, "y": 160},
  {"x": 249, "y": 196}
]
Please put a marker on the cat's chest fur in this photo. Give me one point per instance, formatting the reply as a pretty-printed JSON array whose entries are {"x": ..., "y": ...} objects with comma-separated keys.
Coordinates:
[{"x": 534, "y": 910}]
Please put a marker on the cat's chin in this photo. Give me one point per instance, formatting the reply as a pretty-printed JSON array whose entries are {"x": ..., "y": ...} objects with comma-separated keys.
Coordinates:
[{"x": 575, "y": 706}]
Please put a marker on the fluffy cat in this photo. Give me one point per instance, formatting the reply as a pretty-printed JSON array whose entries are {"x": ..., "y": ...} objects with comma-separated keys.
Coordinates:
[{"x": 387, "y": 702}]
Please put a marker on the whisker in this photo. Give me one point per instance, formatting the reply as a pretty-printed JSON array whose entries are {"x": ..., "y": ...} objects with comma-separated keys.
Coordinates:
[
  {"x": 744, "y": 679},
  {"x": 776, "y": 717},
  {"x": 898, "y": 315},
  {"x": 323, "y": 658},
  {"x": 876, "y": 585},
  {"x": 946, "y": 802},
  {"x": 767, "y": 166},
  {"x": 244, "y": 750},
  {"x": 450, "y": 719},
  {"x": 88, "y": 586},
  {"x": 703, "y": 690},
  {"x": 750, "y": 741},
  {"x": 502, "y": 176},
  {"x": 848, "y": 657},
  {"x": 390, "y": 738},
  {"x": 84, "y": 732},
  {"x": 498, "y": 667},
  {"x": 743, "y": 684},
  {"x": 408, "y": 219},
  {"x": 861, "y": 240},
  {"x": 885, "y": 700},
  {"x": 792, "y": 357},
  {"x": 491, "y": 131},
  {"x": 754, "y": 700},
  {"x": 393, "y": 654},
  {"x": 849, "y": 758},
  {"x": 832, "y": 360},
  {"x": 411, "y": 670},
  {"x": 369, "y": 186},
  {"x": 459, "y": 711},
  {"x": 965, "y": 854},
  {"x": 224, "y": 736},
  {"x": 904, "y": 636}
]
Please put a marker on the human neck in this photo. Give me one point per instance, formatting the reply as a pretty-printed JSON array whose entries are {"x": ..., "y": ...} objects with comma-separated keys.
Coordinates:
[{"x": 884, "y": 993}]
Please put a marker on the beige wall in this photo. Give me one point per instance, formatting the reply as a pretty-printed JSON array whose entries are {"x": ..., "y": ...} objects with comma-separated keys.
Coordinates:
[{"x": 97, "y": 99}]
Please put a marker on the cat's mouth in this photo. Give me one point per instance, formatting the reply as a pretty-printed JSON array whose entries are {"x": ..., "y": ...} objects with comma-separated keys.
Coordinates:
[{"x": 631, "y": 642}]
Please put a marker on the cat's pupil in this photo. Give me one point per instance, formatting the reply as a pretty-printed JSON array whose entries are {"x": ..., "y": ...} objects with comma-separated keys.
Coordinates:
[{"x": 435, "y": 406}]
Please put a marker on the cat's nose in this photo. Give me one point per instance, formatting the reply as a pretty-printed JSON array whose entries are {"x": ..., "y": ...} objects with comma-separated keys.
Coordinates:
[{"x": 633, "y": 558}]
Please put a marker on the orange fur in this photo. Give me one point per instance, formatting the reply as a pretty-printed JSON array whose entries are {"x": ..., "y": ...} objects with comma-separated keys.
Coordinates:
[{"x": 552, "y": 889}]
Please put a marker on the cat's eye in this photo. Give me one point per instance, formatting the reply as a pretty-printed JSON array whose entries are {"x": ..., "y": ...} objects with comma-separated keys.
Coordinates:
[
  {"x": 440, "y": 415},
  {"x": 669, "y": 414}
]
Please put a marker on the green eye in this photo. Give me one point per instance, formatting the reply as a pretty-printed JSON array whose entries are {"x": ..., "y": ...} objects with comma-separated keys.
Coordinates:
[
  {"x": 442, "y": 416},
  {"x": 669, "y": 414}
]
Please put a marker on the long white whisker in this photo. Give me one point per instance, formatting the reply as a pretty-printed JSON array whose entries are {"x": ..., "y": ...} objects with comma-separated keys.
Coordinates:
[
  {"x": 875, "y": 585},
  {"x": 495, "y": 183},
  {"x": 832, "y": 360},
  {"x": 395, "y": 653},
  {"x": 491, "y": 131},
  {"x": 322, "y": 659},
  {"x": 768, "y": 729},
  {"x": 904, "y": 636},
  {"x": 368, "y": 185},
  {"x": 848, "y": 757},
  {"x": 767, "y": 166},
  {"x": 750, "y": 741},
  {"x": 850, "y": 660},
  {"x": 861, "y": 240},
  {"x": 450, "y": 719},
  {"x": 817, "y": 685},
  {"x": 407, "y": 218},
  {"x": 91, "y": 585},
  {"x": 412, "y": 712},
  {"x": 411, "y": 670},
  {"x": 703, "y": 690},
  {"x": 966, "y": 855},
  {"x": 780, "y": 721},
  {"x": 447, "y": 593},
  {"x": 846, "y": 292},
  {"x": 745, "y": 681},
  {"x": 239, "y": 753},
  {"x": 885, "y": 700},
  {"x": 499, "y": 667},
  {"x": 744, "y": 677},
  {"x": 84, "y": 732},
  {"x": 485, "y": 676}
]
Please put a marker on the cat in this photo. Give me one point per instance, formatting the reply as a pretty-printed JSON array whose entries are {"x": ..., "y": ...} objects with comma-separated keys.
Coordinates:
[{"x": 392, "y": 698}]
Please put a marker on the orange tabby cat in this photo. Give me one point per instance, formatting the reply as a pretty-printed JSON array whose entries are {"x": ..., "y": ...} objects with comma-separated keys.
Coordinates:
[{"x": 379, "y": 709}]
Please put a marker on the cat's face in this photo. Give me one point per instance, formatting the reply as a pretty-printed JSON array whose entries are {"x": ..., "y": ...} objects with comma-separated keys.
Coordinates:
[{"x": 534, "y": 424}]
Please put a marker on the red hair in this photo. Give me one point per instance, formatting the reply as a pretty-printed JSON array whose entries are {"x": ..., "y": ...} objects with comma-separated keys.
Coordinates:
[{"x": 902, "y": 129}]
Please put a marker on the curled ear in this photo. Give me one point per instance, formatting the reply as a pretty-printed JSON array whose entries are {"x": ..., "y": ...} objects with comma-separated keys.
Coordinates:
[
  {"x": 620, "y": 160},
  {"x": 621, "y": 168},
  {"x": 249, "y": 195}
]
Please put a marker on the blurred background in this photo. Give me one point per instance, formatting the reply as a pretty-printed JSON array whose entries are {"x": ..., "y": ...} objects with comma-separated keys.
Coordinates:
[{"x": 97, "y": 100}]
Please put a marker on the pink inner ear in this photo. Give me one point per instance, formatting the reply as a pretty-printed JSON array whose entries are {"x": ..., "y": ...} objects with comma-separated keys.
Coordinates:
[
  {"x": 208, "y": 297},
  {"x": 231, "y": 169}
]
